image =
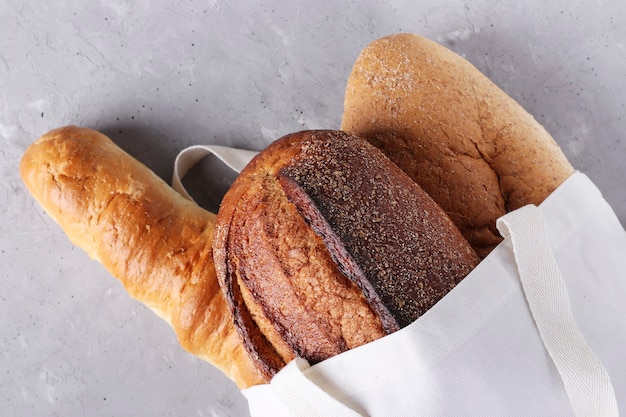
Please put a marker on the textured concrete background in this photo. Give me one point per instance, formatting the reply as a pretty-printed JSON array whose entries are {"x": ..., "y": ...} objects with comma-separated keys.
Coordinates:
[{"x": 158, "y": 76}]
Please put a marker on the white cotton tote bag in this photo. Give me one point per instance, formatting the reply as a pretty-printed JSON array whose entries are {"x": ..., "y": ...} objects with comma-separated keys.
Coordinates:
[{"x": 538, "y": 328}]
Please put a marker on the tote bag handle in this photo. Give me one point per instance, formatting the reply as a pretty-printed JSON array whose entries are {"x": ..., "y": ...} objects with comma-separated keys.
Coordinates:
[
  {"x": 233, "y": 158},
  {"x": 586, "y": 380}
]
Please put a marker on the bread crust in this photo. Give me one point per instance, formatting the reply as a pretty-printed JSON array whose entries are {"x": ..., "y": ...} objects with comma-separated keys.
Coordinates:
[
  {"x": 256, "y": 217},
  {"x": 471, "y": 147},
  {"x": 157, "y": 243},
  {"x": 376, "y": 251}
]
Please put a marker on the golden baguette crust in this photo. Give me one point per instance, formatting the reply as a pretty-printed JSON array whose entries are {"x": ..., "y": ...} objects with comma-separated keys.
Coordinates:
[
  {"x": 157, "y": 243},
  {"x": 476, "y": 151}
]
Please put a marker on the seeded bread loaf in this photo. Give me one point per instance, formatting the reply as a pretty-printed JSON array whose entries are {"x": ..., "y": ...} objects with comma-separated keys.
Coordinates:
[
  {"x": 470, "y": 146},
  {"x": 322, "y": 244}
]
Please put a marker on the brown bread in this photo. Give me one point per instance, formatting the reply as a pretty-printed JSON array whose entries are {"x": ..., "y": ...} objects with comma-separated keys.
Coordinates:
[{"x": 322, "y": 244}]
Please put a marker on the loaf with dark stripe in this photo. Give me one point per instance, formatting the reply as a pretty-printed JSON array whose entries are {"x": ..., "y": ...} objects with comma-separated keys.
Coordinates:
[{"x": 323, "y": 244}]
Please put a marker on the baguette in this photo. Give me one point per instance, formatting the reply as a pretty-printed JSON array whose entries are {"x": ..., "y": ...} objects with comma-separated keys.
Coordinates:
[
  {"x": 322, "y": 244},
  {"x": 470, "y": 146},
  {"x": 157, "y": 243}
]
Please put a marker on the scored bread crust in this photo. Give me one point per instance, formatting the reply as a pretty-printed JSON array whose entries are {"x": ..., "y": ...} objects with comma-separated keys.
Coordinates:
[
  {"x": 470, "y": 146},
  {"x": 290, "y": 266},
  {"x": 157, "y": 243},
  {"x": 322, "y": 244}
]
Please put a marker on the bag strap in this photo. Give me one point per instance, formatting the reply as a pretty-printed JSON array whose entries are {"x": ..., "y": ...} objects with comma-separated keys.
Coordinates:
[
  {"x": 586, "y": 381},
  {"x": 234, "y": 159}
]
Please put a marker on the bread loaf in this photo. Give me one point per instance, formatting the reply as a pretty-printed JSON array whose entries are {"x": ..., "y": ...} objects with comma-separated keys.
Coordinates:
[
  {"x": 471, "y": 147},
  {"x": 322, "y": 244},
  {"x": 158, "y": 244}
]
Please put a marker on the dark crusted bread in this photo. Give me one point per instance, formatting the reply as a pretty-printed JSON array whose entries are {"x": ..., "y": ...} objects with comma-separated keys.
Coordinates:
[
  {"x": 322, "y": 244},
  {"x": 470, "y": 146}
]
